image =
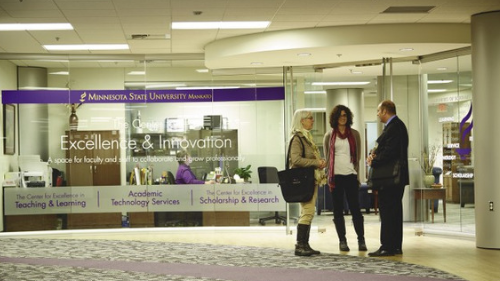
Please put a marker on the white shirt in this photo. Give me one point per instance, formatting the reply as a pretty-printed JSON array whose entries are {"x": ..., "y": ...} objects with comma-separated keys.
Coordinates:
[{"x": 343, "y": 164}]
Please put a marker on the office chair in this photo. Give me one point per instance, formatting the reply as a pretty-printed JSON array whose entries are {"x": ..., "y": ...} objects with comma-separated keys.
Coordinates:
[
  {"x": 170, "y": 178},
  {"x": 270, "y": 175}
]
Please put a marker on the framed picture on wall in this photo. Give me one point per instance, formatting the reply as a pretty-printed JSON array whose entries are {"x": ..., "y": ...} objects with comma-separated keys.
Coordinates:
[{"x": 9, "y": 129}]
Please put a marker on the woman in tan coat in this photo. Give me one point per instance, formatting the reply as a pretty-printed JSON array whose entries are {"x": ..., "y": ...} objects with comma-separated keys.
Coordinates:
[{"x": 305, "y": 153}]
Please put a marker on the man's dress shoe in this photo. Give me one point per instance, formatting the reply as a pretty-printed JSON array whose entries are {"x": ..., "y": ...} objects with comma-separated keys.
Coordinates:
[{"x": 381, "y": 253}]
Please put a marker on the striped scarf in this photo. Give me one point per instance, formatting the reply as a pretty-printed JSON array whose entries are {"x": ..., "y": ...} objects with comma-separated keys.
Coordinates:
[{"x": 352, "y": 147}]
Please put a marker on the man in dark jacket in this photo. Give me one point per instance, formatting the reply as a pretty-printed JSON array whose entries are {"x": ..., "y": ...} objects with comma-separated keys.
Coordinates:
[{"x": 392, "y": 145}]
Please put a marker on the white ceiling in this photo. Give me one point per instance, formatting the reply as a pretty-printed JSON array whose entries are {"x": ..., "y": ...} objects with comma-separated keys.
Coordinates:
[{"x": 116, "y": 21}]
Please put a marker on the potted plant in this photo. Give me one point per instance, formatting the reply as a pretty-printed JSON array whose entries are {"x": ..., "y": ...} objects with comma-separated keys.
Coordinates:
[
  {"x": 244, "y": 173},
  {"x": 428, "y": 159}
]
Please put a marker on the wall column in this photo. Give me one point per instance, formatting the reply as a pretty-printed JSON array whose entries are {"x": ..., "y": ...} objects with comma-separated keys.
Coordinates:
[
  {"x": 486, "y": 101},
  {"x": 354, "y": 99}
]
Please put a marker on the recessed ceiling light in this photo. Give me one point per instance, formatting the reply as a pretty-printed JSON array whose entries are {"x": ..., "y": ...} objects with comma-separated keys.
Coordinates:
[
  {"x": 340, "y": 83},
  {"x": 303, "y": 54},
  {"x": 442, "y": 68},
  {"x": 436, "y": 90},
  {"x": 221, "y": 25},
  {"x": 314, "y": 92},
  {"x": 202, "y": 70},
  {"x": 35, "y": 26},
  {"x": 439, "y": 81},
  {"x": 137, "y": 73},
  {"x": 60, "y": 73},
  {"x": 406, "y": 49},
  {"x": 80, "y": 47}
]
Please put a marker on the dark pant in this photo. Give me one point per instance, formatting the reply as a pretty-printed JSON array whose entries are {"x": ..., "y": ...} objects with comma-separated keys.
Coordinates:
[
  {"x": 348, "y": 186},
  {"x": 391, "y": 217}
]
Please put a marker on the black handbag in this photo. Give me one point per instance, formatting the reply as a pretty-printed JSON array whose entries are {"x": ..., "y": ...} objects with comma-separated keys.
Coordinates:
[{"x": 297, "y": 184}]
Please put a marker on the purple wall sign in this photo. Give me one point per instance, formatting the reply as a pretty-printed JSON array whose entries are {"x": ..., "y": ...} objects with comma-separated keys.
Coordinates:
[
  {"x": 142, "y": 96},
  {"x": 464, "y": 152}
]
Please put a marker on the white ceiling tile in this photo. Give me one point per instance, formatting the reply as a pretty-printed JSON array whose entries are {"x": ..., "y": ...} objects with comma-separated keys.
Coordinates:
[
  {"x": 95, "y": 20},
  {"x": 102, "y": 37},
  {"x": 86, "y": 26},
  {"x": 20, "y": 42},
  {"x": 71, "y": 14},
  {"x": 198, "y": 4},
  {"x": 17, "y": 5},
  {"x": 36, "y": 14},
  {"x": 85, "y": 5},
  {"x": 142, "y": 4},
  {"x": 124, "y": 13},
  {"x": 56, "y": 37},
  {"x": 149, "y": 44}
]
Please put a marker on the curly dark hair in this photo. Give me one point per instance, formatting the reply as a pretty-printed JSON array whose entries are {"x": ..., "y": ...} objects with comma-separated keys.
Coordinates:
[{"x": 335, "y": 115}]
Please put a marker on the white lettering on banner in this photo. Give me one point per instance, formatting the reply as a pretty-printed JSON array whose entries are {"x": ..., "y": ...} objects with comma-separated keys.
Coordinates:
[
  {"x": 96, "y": 142},
  {"x": 150, "y": 125},
  {"x": 453, "y": 145},
  {"x": 156, "y": 198},
  {"x": 197, "y": 143},
  {"x": 463, "y": 175}
]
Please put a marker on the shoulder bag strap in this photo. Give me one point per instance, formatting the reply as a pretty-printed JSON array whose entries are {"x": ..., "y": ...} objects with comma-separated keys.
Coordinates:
[{"x": 288, "y": 153}]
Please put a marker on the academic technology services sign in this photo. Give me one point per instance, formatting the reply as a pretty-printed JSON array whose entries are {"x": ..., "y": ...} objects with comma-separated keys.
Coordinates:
[
  {"x": 153, "y": 198},
  {"x": 142, "y": 96}
]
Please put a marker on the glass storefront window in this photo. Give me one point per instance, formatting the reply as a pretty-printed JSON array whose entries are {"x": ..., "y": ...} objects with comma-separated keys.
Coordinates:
[
  {"x": 433, "y": 98},
  {"x": 132, "y": 122}
]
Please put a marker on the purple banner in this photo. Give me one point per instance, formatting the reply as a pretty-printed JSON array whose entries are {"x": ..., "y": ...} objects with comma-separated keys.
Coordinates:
[{"x": 142, "y": 96}]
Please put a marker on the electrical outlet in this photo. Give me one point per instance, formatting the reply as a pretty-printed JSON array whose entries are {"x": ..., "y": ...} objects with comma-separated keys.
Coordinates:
[{"x": 491, "y": 206}]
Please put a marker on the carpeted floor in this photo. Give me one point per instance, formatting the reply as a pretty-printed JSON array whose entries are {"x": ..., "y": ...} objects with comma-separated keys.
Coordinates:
[{"x": 89, "y": 260}]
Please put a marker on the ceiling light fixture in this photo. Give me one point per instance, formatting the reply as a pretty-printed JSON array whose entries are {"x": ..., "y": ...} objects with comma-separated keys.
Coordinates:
[
  {"x": 442, "y": 68},
  {"x": 60, "y": 73},
  {"x": 436, "y": 90},
  {"x": 137, "y": 73},
  {"x": 439, "y": 81},
  {"x": 88, "y": 47},
  {"x": 35, "y": 26},
  {"x": 340, "y": 83},
  {"x": 202, "y": 70},
  {"x": 314, "y": 92},
  {"x": 221, "y": 25}
]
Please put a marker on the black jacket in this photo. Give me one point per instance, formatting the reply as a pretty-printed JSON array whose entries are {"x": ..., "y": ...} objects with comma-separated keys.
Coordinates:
[{"x": 392, "y": 145}]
